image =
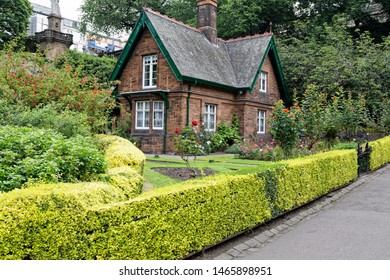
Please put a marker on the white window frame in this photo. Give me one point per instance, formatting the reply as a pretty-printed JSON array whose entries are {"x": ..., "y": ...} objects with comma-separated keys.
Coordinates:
[
  {"x": 261, "y": 116},
  {"x": 263, "y": 81},
  {"x": 149, "y": 63},
  {"x": 145, "y": 113},
  {"x": 160, "y": 112},
  {"x": 210, "y": 115}
]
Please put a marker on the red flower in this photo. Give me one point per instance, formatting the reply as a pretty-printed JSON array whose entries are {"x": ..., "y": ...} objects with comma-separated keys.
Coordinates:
[
  {"x": 194, "y": 123},
  {"x": 177, "y": 131},
  {"x": 275, "y": 117}
]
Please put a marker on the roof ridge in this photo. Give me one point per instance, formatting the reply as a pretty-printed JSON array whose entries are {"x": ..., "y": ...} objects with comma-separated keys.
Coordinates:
[
  {"x": 171, "y": 19},
  {"x": 265, "y": 34}
]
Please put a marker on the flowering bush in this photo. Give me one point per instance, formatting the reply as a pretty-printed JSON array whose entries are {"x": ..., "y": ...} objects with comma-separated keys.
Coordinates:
[
  {"x": 269, "y": 151},
  {"x": 251, "y": 149},
  {"x": 192, "y": 141},
  {"x": 29, "y": 81},
  {"x": 285, "y": 126}
]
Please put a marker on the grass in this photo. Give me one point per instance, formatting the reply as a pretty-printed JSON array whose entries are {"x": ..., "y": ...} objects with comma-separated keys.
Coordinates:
[{"x": 225, "y": 164}]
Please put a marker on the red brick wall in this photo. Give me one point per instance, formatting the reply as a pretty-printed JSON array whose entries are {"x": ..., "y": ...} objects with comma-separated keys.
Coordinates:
[
  {"x": 245, "y": 105},
  {"x": 249, "y": 103},
  {"x": 131, "y": 79}
]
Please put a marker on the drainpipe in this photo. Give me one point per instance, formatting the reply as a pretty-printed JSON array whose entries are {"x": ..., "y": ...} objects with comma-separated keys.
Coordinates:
[
  {"x": 166, "y": 108},
  {"x": 188, "y": 105}
]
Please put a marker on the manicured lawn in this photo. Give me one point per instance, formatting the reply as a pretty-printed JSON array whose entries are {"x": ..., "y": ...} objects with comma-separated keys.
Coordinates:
[{"x": 225, "y": 164}]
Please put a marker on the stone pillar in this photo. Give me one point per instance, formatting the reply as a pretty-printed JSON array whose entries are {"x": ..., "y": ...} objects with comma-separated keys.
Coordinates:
[
  {"x": 52, "y": 41},
  {"x": 54, "y": 22}
]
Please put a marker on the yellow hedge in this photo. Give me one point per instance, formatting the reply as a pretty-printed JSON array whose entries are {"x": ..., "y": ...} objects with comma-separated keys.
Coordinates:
[
  {"x": 48, "y": 221},
  {"x": 169, "y": 223},
  {"x": 380, "y": 154},
  {"x": 308, "y": 178},
  {"x": 121, "y": 152}
]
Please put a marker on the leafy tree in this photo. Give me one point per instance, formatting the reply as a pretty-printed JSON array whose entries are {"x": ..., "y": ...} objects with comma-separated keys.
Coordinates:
[
  {"x": 183, "y": 10},
  {"x": 110, "y": 17},
  {"x": 335, "y": 59},
  {"x": 14, "y": 19},
  {"x": 88, "y": 65},
  {"x": 366, "y": 15},
  {"x": 248, "y": 17}
]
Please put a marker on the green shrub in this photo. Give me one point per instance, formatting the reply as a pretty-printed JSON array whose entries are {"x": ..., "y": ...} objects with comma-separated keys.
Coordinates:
[
  {"x": 126, "y": 179},
  {"x": 88, "y": 65},
  {"x": 28, "y": 154},
  {"x": 68, "y": 123},
  {"x": 345, "y": 146},
  {"x": 225, "y": 135},
  {"x": 120, "y": 152},
  {"x": 29, "y": 80},
  {"x": 305, "y": 179},
  {"x": 285, "y": 126},
  {"x": 49, "y": 221},
  {"x": 380, "y": 154}
]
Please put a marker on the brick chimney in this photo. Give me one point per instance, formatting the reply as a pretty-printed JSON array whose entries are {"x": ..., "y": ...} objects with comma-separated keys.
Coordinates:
[{"x": 207, "y": 18}]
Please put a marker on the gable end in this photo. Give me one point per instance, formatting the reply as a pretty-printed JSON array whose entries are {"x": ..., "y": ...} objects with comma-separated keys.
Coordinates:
[{"x": 142, "y": 23}]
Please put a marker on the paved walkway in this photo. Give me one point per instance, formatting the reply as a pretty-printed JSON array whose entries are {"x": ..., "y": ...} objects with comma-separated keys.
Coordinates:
[{"x": 349, "y": 224}]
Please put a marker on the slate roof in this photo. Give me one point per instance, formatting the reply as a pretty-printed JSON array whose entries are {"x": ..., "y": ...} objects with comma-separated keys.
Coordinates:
[{"x": 234, "y": 63}]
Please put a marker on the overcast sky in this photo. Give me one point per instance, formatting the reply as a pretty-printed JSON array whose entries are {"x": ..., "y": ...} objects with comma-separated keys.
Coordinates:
[{"x": 68, "y": 7}]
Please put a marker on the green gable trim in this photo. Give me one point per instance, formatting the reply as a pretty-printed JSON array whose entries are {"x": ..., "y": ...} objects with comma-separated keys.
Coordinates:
[
  {"x": 278, "y": 71},
  {"x": 130, "y": 45},
  {"x": 281, "y": 81},
  {"x": 164, "y": 50},
  {"x": 196, "y": 81},
  {"x": 132, "y": 42},
  {"x": 260, "y": 66}
]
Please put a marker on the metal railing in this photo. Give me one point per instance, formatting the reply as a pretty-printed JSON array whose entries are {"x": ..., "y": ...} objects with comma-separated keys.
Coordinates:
[{"x": 363, "y": 152}]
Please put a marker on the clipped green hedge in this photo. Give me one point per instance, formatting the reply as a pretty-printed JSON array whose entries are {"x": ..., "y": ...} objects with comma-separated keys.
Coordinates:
[
  {"x": 121, "y": 152},
  {"x": 49, "y": 221},
  {"x": 167, "y": 223},
  {"x": 170, "y": 223},
  {"x": 163, "y": 224},
  {"x": 308, "y": 178},
  {"x": 380, "y": 154}
]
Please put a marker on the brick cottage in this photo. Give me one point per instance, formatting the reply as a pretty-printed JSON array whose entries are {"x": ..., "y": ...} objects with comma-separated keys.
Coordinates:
[{"x": 172, "y": 73}]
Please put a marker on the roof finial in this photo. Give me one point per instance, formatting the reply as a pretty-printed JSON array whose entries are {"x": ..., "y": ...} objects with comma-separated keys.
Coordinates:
[{"x": 270, "y": 26}]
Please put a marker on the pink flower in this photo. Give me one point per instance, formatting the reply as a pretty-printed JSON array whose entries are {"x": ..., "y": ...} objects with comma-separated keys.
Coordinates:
[{"x": 261, "y": 150}]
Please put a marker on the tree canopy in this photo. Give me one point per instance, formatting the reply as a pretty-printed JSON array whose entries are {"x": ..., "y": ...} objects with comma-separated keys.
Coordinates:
[
  {"x": 242, "y": 17},
  {"x": 109, "y": 17},
  {"x": 14, "y": 19}
]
